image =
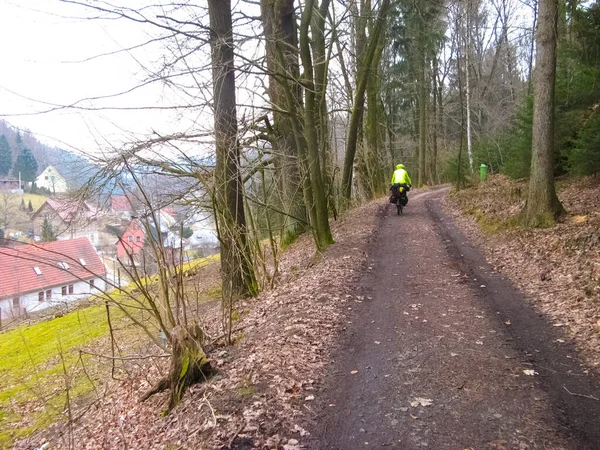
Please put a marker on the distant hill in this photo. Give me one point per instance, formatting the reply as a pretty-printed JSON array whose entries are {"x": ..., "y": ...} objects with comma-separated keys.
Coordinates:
[{"x": 74, "y": 168}]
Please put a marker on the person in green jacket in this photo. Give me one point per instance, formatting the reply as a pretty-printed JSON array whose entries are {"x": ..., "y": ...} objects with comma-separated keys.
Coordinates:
[{"x": 400, "y": 177}]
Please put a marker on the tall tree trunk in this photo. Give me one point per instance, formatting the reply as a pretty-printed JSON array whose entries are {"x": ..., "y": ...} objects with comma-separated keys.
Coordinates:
[
  {"x": 359, "y": 101},
  {"x": 423, "y": 102},
  {"x": 433, "y": 179},
  {"x": 282, "y": 63},
  {"x": 374, "y": 168},
  {"x": 236, "y": 263},
  {"x": 322, "y": 232},
  {"x": 468, "y": 87},
  {"x": 321, "y": 65},
  {"x": 543, "y": 206},
  {"x": 532, "y": 48},
  {"x": 462, "y": 111}
]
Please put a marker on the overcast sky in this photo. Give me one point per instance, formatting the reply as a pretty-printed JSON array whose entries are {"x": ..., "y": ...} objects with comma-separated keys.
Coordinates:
[{"x": 46, "y": 51}]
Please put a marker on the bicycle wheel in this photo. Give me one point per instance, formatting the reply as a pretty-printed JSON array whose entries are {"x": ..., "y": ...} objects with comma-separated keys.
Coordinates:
[{"x": 399, "y": 205}]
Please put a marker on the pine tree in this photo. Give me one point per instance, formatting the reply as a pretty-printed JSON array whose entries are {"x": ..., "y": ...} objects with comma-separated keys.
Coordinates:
[
  {"x": 47, "y": 231},
  {"x": 5, "y": 156},
  {"x": 26, "y": 164},
  {"x": 19, "y": 141},
  {"x": 22, "y": 205},
  {"x": 30, "y": 207}
]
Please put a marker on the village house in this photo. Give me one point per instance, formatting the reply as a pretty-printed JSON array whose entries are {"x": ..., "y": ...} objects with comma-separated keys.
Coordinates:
[
  {"x": 130, "y": 246},
  {"x": 69, "y": 220},
  {"x": 37, "y": 276},
  {"x": 120, "y": 206},
  {"x": 131, "y": 243},
  {"x": 52, "y": 180}
]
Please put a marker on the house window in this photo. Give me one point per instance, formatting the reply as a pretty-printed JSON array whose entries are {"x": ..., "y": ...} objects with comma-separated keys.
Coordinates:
[
  {"x": 130, "y": 238},
  {"x": 16, "y": 302},
  {"x": 82, "y": 261},
  {"x": 46, "y": 177},
  {"x": 138, "y": 239},
  {"x": 70, "y": 289},
  {"x": 48, "y": 294},
  {"x": 92, "y": 284},
  {"x": 41, "y": 296},
  {"x": 63, "y": 291},
  {"x": 63, "y": 265},
  {"x": 37, "y": 270}
]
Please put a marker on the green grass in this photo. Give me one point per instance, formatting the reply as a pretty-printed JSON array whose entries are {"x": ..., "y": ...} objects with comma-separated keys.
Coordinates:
[
  {"x": 32, "y": 379},
  {"x": 36, "y": 200},
  {"x": 31, "y": 370}
]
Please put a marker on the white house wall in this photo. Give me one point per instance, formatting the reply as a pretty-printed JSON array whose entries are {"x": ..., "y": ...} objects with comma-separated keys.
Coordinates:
[
  {"x": 57, "y": 185},
  {"x": 30, "y": 302},
  {"x": 91, "y": 232}
]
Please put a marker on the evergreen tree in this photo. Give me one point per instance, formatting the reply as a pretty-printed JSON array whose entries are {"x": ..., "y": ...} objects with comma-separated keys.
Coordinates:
[
  {"x": 5, "y": 156},
  {"x": 30, "y": 207},
  {"x": 19, "y": 141},
  {"x": 26, "y": 164},
  {"x": 22, "y": 205},
  {"x": 47, "y": 231}
]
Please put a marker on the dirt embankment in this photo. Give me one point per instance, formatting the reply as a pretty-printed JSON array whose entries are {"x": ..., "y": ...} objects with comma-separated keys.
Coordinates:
[{"x": 558, "y": 268}]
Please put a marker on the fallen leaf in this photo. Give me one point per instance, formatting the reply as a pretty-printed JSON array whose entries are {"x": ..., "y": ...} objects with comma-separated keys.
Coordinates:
[
  {"x": 378, "y": 342},
  {"x": 354, "y": 372},
  {"x": 309, "y": 398},
  {"x": 301, "y": 430},
  {"x": 421, "y": 401},
  {"x": 507, "y": 322},
  {"x": 530, "y": 372}
]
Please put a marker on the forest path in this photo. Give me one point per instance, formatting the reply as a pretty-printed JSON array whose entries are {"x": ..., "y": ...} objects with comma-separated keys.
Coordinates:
[{"x": 444, "y": 353}]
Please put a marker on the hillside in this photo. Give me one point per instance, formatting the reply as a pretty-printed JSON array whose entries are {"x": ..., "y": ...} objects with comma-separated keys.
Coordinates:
[
  {"x": 73, "y": 167},
  {"x": 389, "y": 307},
  {"x": 559, "y": 268}
]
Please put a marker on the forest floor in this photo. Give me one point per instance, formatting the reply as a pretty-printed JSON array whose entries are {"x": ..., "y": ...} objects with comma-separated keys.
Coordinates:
[{"x": 401, "y": 335}]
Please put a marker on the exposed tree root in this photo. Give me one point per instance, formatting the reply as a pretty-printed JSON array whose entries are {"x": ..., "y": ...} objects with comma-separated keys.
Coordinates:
[{"x": 189, "y": 365}]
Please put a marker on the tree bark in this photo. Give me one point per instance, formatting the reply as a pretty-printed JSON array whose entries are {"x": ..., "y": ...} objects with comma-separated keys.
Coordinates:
[
  {"x": 238, "y": 277},
  {"x": 543, "y": 207},
  {"x": 468, "y": 88},
  {"x": 322, "y": 231},
  {"x": 359, "y": 101},
  {"x": 433, "y": 179},
  {"x": 280, "y": 33}
]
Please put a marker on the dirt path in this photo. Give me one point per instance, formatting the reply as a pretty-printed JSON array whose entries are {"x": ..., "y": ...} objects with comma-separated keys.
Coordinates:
[{"x": 437, "y": 326}]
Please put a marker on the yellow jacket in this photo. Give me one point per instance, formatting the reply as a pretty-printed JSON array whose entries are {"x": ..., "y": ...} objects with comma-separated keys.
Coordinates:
[{"x": 400, "y": 175}]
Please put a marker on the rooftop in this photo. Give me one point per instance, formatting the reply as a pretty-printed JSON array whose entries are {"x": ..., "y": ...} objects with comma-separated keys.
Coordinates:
[{"x": 34, "y": 267}]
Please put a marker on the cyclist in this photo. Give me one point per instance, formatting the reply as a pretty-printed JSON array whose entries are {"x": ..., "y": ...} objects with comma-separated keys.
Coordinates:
[{"x": 400, "y": 177}]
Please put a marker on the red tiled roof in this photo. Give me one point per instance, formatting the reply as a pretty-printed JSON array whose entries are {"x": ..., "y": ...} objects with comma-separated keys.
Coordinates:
[
  {"x": 120, "y": 203},
  {"x": 66, "y": 210},
  {"x": 17, "y": 274}
]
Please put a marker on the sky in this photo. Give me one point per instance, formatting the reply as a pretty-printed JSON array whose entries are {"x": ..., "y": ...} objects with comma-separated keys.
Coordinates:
[{"x": 51, "y": 57}]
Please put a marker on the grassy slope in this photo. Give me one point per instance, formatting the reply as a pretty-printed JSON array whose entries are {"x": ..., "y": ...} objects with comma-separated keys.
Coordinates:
[
  {"x": 31, "y": 369},
  {"x": 36, "y": 200},
  {"x": 32, "y": 376}
]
